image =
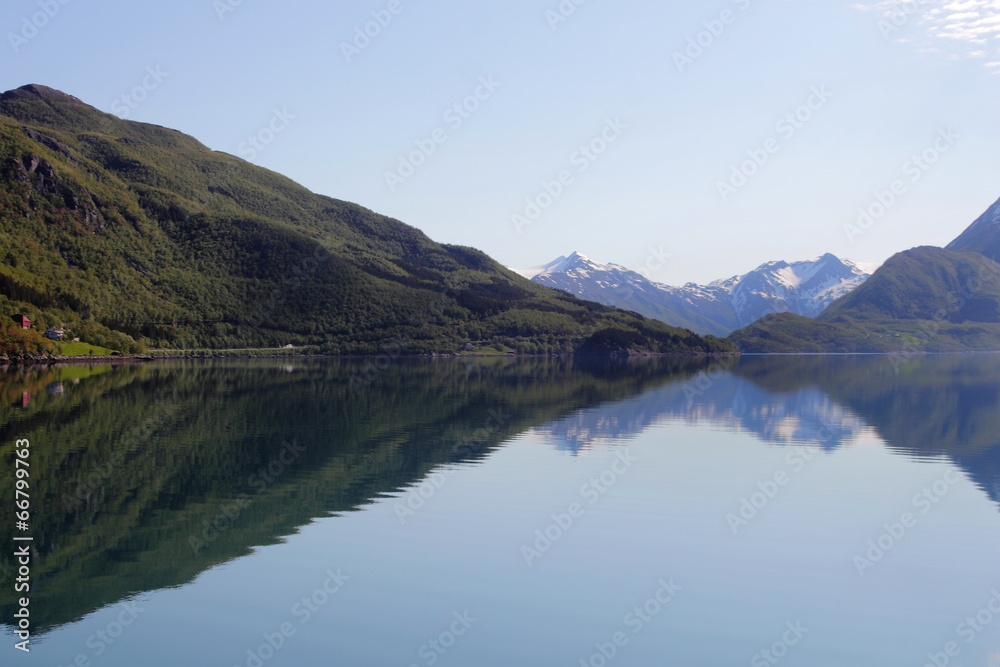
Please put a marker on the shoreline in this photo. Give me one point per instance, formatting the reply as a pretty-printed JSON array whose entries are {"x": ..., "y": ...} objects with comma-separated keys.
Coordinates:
[
  {"x": 26, "y": 361},
  {"x": 36, "y": 361}
]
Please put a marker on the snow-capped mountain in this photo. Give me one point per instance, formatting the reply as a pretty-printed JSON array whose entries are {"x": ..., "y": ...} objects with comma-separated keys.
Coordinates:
[
  {"x": 719, "y": 308},
  {"x": 805, "y": 415}
]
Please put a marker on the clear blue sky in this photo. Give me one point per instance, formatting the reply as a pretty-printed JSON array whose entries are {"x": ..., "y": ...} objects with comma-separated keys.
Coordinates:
[{"x": 679, "y": 125}]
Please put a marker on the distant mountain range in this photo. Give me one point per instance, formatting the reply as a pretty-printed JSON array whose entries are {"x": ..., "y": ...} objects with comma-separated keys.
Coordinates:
[
  {"x": 921, "y": 300},
  {"x": 719, "y": 308}
]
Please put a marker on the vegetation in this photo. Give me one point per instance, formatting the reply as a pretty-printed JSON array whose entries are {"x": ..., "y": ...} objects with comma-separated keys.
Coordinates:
[
  {"x": 790, "y": 333},
  {"x": 140, "y": 237},
  {"x": 922, "y": 300},
  {"x": 982, "y": 236},
  {"x": 15, "y": 340},
  {"x": 131, "y": 463},
  {"x": 77, "y": 349},
  {"x": 926, "y": 284}
]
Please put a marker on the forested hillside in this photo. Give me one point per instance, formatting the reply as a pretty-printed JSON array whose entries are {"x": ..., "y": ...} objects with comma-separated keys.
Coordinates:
[{"x": 135, "y": 236}]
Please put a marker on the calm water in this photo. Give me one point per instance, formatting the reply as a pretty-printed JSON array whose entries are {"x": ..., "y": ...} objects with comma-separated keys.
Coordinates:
[{"x": 802, "y": 511}]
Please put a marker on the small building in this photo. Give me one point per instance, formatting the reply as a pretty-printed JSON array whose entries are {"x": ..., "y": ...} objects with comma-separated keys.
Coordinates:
[
  {"x": 54, "y": 333},
  {"x": 22, "y": 321}
]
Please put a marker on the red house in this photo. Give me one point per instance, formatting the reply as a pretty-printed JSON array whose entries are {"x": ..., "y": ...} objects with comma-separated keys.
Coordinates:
[{"x": 23, "y": 321}]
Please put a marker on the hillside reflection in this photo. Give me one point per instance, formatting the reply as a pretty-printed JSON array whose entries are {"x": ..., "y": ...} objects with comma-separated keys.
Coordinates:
[{"x": 133, "y": 464}]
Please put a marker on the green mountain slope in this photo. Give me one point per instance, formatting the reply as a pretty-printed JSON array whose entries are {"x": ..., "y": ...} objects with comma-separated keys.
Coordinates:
[
  {"x": 925, "y": 299},
  {"x": 134, "y": 235},
  {"x": 925, "y": 284},
  {"x": 787, "y": 333},
  {"x": 983, "y": 236}
]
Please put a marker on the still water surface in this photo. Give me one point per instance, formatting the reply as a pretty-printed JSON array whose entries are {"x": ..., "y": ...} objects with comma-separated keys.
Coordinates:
[{"x": 803, "y": 511}]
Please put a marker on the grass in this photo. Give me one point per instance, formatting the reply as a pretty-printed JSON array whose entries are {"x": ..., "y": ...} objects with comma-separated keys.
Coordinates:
[{"x": 74, "y": 349}]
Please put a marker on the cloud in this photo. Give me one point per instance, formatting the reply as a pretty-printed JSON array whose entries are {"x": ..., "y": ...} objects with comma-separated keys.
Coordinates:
[{"x": 956, "y": 28}]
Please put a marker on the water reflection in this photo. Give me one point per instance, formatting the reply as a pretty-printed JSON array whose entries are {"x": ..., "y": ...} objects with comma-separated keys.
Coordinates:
[
  {"x": 804, "y": 415},
  {"x": 935, "y": 406},
  {"x": 145, "y": 476}
]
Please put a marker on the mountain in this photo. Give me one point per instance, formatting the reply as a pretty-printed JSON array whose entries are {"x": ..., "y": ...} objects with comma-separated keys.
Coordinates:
[
  {"x": 983, "y": 236},
  {"x": 804, "y": 288},
  {"x": 134, "y": 235},
  {"x": 618, "y": 286},
  {"x": 925, "y": 299},
  {"x": 924, "y": 283}
]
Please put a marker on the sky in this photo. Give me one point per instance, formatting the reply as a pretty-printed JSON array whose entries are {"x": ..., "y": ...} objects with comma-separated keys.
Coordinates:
[{"x": 692, "y": 140}]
